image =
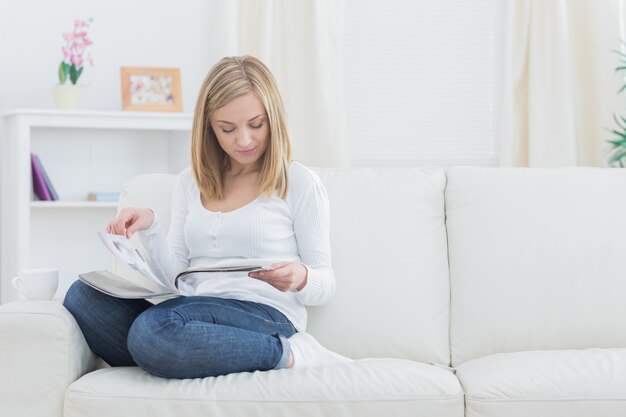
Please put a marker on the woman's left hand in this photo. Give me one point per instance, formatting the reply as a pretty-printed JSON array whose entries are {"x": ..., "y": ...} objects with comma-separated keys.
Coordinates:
[{"x": 286, "y": 276}]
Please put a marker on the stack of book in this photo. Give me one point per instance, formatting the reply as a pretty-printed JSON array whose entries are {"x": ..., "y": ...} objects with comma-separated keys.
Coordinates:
[{"x": 42, "y": 186}]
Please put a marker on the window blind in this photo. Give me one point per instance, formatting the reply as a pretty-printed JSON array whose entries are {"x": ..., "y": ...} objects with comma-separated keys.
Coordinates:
[{"x": 423, "y": 81}]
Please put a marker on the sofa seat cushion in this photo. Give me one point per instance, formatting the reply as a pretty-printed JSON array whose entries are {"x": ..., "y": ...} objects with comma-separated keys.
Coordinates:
[
  {"x": 570, "y": 383},
  {"x": 368, "y": 387}
]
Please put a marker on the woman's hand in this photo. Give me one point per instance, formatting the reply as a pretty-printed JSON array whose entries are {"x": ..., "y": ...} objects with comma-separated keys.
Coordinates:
[
  {"x": 285, "y": 276},
  {"x": 129, "y": 220}
]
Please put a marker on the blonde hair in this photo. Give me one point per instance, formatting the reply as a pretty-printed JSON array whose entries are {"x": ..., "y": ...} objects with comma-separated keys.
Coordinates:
[{"x": 230, "y": 78}]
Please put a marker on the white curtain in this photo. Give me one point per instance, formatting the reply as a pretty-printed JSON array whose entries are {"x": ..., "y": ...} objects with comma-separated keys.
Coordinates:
[
  {"x": 559, "y": 84},
  {"x": 301, "y": 42}
]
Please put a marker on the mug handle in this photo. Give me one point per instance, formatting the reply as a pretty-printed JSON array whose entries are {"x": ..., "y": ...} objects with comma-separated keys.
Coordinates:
[{"x": 17, "y": 281}]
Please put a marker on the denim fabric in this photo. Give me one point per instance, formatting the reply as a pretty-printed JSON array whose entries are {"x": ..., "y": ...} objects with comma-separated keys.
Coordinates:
[{"x": 185, "y": 337}]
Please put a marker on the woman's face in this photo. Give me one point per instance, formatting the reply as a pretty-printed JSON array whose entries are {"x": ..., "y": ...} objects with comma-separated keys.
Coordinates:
[{"x": 242, "y": 130}]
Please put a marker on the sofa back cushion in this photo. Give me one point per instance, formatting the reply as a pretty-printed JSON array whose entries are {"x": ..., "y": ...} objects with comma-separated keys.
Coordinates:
[
  {"x": 390, "y": 257},
  {"x": 389, "y": 254},
  {"x": 536, "y": 259}
]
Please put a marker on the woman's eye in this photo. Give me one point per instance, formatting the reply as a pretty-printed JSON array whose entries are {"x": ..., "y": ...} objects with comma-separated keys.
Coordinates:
[
  {"x": 228, "y": 131},
  {"x": 260, "y": 125}
]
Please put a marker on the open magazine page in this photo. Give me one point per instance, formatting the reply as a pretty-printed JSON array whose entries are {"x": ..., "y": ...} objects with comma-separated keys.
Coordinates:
[{"x": 124, "y": 250}]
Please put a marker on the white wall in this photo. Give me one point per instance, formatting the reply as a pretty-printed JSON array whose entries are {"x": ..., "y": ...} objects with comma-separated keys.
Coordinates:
[
  {"x": 178, "y": 34},
  {"x": 151, "y": 33}
]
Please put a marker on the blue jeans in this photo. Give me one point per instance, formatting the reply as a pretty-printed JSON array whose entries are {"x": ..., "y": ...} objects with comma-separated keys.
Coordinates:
[{"x": 185, "y": 337}]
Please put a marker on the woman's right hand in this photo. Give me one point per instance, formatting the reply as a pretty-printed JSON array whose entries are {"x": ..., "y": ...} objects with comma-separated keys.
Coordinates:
[{"x": 129, "y": 220}]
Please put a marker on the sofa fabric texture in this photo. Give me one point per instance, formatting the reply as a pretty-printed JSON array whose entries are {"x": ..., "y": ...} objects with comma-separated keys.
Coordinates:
[
  {"x": 513, "y": 276},
  {"x": 409, "y": 265},
  {"x": 371, "y": 387},
  {"x": 536, "y": 259},
  {"x": 42, "y": 351},
  {"x": 576, "y": 383}
]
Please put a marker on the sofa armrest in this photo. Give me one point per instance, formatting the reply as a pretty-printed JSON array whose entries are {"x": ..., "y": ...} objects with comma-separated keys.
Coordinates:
[{"x": 42, "y": 351}]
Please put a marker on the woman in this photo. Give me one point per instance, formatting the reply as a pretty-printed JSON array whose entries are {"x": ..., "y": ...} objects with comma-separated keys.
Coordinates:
[{"x": 242, "y": 202}]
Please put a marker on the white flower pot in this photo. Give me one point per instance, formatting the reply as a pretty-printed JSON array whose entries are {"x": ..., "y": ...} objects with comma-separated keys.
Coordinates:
[{"x": 66, "y": 96}]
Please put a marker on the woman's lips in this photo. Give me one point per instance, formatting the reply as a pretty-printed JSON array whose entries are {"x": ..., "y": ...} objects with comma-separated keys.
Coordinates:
[{"x": 247, "y": 151}]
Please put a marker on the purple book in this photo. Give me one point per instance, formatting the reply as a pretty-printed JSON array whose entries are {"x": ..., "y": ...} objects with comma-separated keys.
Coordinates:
[
  {"x": 49, "y": 186},
  {"x": 39, "y": 183}
]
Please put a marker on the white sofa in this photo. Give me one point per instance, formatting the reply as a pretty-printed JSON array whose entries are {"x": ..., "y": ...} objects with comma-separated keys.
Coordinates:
[{"x": 514, "y": 277}]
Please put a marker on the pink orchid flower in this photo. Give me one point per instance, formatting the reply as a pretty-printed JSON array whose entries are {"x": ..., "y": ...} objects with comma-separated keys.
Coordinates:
[
  {"x": 77, "y": 61},
  {"x": 76, "y": 43}
]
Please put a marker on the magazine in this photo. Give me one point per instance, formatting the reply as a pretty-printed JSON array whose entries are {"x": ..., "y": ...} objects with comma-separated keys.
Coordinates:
[{"x": 118, "y": 286}]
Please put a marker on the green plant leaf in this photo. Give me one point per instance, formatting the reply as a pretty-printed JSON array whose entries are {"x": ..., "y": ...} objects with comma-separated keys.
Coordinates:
[
  {"x": 64, "y": 70},
  {"x": 618, "y": 157},
  {"x": 62, "y": 76},
  {"x": 620, "y": 134},
  {"x": 618, "y": 143},
  {"x": 618, "y": 122},
  {"x": 73, "y": 74},
  {"x": 622, "y": 89},
  {"x": 619, "y": 52}
]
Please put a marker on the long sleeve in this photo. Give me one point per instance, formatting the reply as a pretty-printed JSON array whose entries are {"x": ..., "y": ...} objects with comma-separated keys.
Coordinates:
[
  {"x": 311, "y": 222},
  {"x": 168, "y": 257}
]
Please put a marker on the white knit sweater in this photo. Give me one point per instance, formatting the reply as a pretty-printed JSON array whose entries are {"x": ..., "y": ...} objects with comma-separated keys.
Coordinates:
[{"x": 263, "y": 232}]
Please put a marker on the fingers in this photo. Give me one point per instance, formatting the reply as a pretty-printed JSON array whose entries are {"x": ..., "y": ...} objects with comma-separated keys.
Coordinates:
[
  {"x": 271, "y": 274},
  {"x": 272, "y": 278},
  {"x": 134, "y": 226},
  {"x": 284, "y": 276},
  {"x": 279, "y": 265},
  {"x": 130, "y": 220},
  {"x": 130, "y": 231},
  {"x": 118, "y": 226}
]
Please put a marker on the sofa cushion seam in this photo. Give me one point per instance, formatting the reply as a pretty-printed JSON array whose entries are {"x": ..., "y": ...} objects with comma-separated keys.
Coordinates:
[
  {"x": 513, "y": 400},
  {"x": 291, "y": 400}
]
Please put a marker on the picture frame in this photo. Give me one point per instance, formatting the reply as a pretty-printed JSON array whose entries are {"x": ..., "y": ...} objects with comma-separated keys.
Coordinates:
[{"x": 151, "y": 89}]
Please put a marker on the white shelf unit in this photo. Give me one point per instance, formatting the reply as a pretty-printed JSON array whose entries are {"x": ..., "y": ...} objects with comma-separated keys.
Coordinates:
[{"x": 82, "y": 152}]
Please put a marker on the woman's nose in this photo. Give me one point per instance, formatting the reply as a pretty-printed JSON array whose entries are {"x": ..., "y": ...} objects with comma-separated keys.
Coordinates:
[{"x": 244, "y": 139}]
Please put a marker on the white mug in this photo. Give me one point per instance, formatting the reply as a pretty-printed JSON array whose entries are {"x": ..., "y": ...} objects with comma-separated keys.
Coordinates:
[{"x": 37, "y": 284}]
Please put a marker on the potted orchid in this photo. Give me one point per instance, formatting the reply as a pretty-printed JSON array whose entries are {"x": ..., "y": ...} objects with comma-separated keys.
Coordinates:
[{"x": 66, "y": 94}]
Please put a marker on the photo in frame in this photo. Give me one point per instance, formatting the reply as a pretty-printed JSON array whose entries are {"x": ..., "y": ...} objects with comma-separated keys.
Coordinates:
[{"x": 151, "y": 89}]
